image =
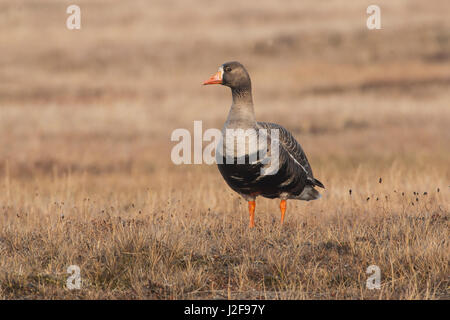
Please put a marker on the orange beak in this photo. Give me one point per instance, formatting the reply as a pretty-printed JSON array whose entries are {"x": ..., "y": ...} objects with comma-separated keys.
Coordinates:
[{"x": 215, "y": 79}]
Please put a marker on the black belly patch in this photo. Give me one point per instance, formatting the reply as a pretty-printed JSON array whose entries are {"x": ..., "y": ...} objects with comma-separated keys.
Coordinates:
[{"x": 247, "y": 179}]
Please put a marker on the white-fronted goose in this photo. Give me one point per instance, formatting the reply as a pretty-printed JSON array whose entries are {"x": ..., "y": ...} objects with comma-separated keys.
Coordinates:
[{"x": 294, "y": 178}]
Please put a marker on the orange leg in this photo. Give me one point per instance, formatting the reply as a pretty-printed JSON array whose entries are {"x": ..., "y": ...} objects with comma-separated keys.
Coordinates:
[
  {"x": 282, "y": 209},
  {"x": 251, "y": 211}
]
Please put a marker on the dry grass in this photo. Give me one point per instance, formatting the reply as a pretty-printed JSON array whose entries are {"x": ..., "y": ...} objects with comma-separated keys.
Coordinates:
[
  {"x": 178, "y": 237},
  {"x": 85, "y": 171}
]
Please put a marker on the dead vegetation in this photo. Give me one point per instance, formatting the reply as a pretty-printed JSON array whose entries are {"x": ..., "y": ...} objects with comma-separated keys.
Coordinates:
[{"x": 85, "y": 171}]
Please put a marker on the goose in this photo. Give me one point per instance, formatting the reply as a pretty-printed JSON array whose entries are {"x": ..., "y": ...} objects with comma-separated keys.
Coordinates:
[{"x": 292, "y": 178}]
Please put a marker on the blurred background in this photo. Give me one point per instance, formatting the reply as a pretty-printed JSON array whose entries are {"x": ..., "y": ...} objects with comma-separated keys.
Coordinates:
[
  {"x": 86, "y": 177},
  {"x": 106, "y": 98}
]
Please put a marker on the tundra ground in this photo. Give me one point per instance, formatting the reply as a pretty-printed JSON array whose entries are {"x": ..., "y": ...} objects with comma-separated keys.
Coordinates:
[{"x": 86, "y": 177}]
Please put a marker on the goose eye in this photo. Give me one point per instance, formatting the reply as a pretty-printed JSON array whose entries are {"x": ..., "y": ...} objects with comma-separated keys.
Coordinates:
[{"x": 227, "y": 69}]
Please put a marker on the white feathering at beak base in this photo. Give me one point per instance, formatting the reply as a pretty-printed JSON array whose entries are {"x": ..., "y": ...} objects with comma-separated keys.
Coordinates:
[{"x": 215, "y": 78}]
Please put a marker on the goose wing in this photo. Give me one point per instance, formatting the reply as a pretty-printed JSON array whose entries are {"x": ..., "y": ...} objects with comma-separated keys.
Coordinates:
[{"x": 293, "y": 148}]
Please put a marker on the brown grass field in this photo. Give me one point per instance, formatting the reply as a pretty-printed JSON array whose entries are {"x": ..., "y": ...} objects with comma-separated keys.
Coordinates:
[{"x": 85, "y": 171}]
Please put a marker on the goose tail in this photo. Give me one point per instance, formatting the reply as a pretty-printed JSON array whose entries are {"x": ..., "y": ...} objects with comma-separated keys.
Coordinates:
[
  {"x": 318, "y": 183},
  {"x": 309, "y": 193}
]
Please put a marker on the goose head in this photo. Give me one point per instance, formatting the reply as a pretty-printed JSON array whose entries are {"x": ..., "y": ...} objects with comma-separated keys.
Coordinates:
[{"x": 231, "y": 74}]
